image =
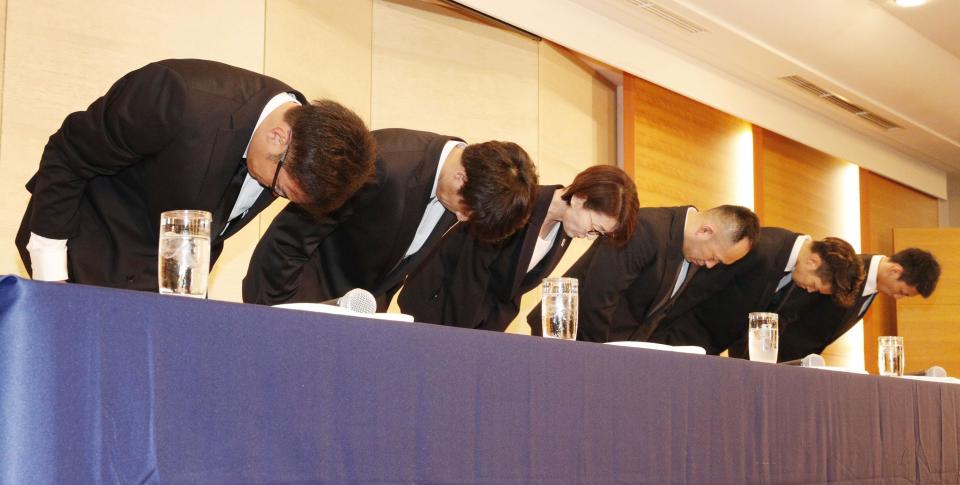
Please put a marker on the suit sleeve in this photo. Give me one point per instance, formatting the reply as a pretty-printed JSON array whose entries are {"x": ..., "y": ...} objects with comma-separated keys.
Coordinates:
[
  {"x": 607, "y": 273},
  {"x": 277, "y": 265},
  {"x": 137, "y": 117}
]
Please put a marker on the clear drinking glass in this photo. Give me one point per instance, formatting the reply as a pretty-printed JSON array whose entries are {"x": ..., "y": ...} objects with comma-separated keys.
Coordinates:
[
  {"x": 560, "y": 308},
  {"x": 890, "y": 356},
  {"x": 763, "y": 336},
  {"x": 184, "y": 253}
]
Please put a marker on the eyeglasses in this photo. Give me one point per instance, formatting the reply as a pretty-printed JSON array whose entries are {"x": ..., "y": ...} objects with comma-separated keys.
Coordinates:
[
  {"x": 594, "y": 234},
  {"x": 276, "y": 175}
]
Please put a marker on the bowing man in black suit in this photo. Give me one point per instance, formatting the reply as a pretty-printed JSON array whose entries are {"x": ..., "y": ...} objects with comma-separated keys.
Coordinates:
[
  {"x": 181, "y": 134},
  {"x": 782, "y": 275},
  {"x": 624, "y": 292},
  {"x": 473, "y": 284},
  {"x": 424, "y": 184},
  {"x": 910, "y": 272}
]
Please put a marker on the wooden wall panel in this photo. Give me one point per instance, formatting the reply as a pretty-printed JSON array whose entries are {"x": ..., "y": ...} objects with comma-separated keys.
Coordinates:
[
  {"x": 885, "y": 205},
  {"x": 930, "y": 326},
  {"x": 684, "y": 152},
  {"x": 805, "y": 190},
  {"x": 799, "y": 188}
]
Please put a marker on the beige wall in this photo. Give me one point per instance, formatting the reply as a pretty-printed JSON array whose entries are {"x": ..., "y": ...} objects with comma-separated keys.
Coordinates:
[
  {"x": 435, "y": 69},
  {"x": 323, "y": 49},
  {"x": 577, "y": 128},
  {"x": 60, "y": 56}
]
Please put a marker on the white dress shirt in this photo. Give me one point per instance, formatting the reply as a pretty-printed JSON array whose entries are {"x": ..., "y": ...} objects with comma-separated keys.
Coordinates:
[
  {"x": 870, "y": 285},
  {"x": 685, "y": 265},
  {"x": 434, "y": 210},
  {"x": 251, "y": 189},
  {"x": 543, "y": 246},
  {"x": 792, "y": 262}
]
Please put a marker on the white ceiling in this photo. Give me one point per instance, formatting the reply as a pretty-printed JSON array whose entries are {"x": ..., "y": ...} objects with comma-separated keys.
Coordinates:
[{"x": 900, "y": 64}]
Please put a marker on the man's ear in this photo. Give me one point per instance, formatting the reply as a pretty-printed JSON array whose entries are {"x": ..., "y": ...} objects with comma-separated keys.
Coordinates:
[
  {"x": 577, "y": 201},
  {"x": 461, "y": 177},
  {"x": 814, "y": 261},
  {"x": 706, "y": 230},
  {"x": 895, "y": 270},
  {"x": 279, "y": 135}
]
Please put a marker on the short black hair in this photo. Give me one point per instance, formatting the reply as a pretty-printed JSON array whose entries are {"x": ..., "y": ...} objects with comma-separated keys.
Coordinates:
[
  {"x": 499, "y": 191},
  {"x": 739, "y": 223},
  {"x": 332, "y": 153},
  {"x": 920, "y": 269}
]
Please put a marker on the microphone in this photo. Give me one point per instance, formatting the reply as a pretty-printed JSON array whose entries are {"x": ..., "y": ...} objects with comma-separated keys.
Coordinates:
[
  {"x": 812, "y": 360},
  {"x": 357, "y": 300},
  {"x": 935, "y": 371}
]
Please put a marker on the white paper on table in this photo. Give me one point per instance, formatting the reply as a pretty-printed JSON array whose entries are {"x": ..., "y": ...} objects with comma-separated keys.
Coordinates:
[
  {"x": 837, "y": 369},
  {"x": 686, "y": 349},
  {"x": 335, "y": 310},
  {"x": 947, "y": 380}
]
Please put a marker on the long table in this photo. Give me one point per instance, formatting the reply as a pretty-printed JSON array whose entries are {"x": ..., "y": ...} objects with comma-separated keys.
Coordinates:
[{"x": 109, "y": 386}]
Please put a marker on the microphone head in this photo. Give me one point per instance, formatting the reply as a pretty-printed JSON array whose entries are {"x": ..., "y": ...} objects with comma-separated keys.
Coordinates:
[
  {"x": 936, "y": 371},
  {"x": 813, "y": 360},
  {"x": 358, "y": 300}
]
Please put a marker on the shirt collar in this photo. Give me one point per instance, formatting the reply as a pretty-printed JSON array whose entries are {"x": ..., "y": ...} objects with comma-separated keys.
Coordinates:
[
  {"x": 795, "y": 253},
  {"x": 871, "y": 282},
  {"x": 447, "y": 148},
  {"x": 690, "y": 210},
  {"x": 273, "y": 104}
]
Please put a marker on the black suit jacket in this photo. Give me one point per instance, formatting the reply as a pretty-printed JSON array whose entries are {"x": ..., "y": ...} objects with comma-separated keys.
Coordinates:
[
  {"x": 170, "y": 135},
  {"x": 823, "y": 322},
  {"x": 620, "y": 286},
  {"x": 476, "y": 285},
  {"x": 720, "y": 321},
  {"x": 362, "y": 245}
]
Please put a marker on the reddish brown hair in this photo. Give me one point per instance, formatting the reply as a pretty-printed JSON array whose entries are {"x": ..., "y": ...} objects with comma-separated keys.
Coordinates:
[
  {"x": 841, "y": 267},
  {"x": 609, "y": 191}
]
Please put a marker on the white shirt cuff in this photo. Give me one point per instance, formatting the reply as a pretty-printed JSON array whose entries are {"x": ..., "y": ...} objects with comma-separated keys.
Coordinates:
[{"x": 48, "y": 257}]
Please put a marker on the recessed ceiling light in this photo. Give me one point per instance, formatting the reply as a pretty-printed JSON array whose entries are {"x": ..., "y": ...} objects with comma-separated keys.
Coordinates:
[{"x": 909, "y": 3}]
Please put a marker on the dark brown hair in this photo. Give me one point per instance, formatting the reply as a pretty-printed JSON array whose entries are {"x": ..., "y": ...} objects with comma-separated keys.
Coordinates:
[
  {"x": 609, "y": 191},
  {"x": 841, "y": 267},
  {"x": 737, "y": 223},
  {"x": 920, "y": 269},
  {"x": 332, "y": 153},
  {"x": 499, "y": 190}
]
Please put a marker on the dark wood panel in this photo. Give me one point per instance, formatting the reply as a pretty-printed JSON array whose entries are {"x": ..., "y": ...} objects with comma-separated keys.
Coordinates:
[
  {"x": 684, "y": 152},
  {"x": 885, "y": 205}
]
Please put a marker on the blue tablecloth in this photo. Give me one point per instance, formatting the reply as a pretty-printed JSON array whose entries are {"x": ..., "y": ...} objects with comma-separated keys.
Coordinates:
[{"x": 108, "y": 386}]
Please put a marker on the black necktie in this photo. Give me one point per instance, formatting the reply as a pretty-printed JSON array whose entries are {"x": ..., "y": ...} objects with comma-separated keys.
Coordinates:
[
  {"x": 230, "y": 196},
  {"x": 779, "y": 297}
]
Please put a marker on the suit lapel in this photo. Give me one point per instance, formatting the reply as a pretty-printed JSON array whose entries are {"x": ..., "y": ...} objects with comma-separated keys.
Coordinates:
[
  {"x": 265, "y": 199},
  {"x": 671, "y": 266},
  {"x": 419, "y": 186},
  {"x": 226, "y": 158},
  {"x": 532, "y": 233},
  {"x": 412, "y": 264}
]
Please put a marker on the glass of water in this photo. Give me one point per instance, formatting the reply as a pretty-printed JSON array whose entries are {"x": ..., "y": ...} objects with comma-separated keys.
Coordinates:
[
  {"x": 184, "y": 253},
  {"x": 890, "y": 356},
  {"x": 764, "y": 337},
  {"x": 560, "y": 308}
]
